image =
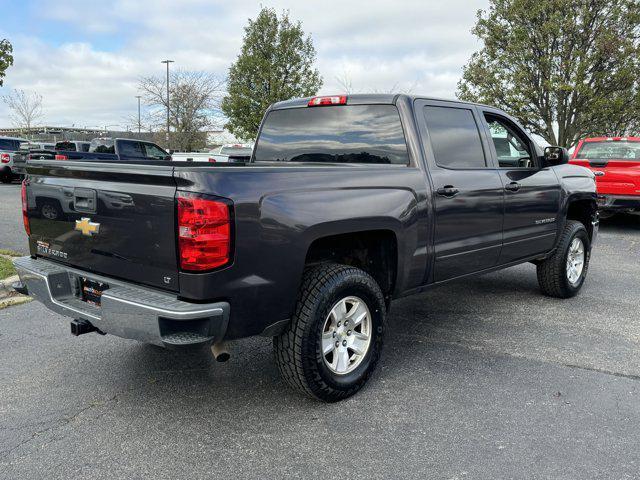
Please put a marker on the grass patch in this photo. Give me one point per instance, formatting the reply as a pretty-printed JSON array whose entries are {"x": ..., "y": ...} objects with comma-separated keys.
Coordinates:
[
  {"x": 9, "y": 253},
  {"x": 6, "y": 268}
]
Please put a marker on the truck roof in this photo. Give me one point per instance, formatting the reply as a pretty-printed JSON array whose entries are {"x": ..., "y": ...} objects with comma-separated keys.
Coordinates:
[{"x": 366, "y": 99}]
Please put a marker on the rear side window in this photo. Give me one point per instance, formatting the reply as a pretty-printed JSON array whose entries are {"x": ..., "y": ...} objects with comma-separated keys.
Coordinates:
[
  {"x": 335, "y": 134},
  {"x": 11, "y": 145},
  {"x": 130, "y": 149},
  {"x": 455, "y": 137}
]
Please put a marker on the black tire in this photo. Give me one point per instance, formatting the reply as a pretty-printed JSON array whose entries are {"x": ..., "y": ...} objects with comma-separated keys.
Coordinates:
[
  {"x": 552, "y": 272},
  {"x": 6, "y": 177},
  {"x": 50, "y": 210},
  {"x": 298, "y": 349}
]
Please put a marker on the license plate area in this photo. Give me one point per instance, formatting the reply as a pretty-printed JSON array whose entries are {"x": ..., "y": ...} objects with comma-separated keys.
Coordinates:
[{"x": 91, "y": 290}]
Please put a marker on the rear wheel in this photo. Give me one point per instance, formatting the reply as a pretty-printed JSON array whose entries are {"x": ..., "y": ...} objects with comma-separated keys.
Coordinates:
[
  {"x": 562, "y": 275},
  {"x": 335, "y": 338},
  {"x": 6, "y": 177},
  {"x": 50, "y": 209}
]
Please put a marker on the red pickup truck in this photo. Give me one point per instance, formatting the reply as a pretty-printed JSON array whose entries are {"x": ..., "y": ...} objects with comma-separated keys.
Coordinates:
[{"x": 616, "y": 164}]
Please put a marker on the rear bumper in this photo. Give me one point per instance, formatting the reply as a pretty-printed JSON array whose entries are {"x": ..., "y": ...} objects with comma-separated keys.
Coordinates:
[
  {"x": 126, "y": 310},
  {"x": 618, "y": 202}
]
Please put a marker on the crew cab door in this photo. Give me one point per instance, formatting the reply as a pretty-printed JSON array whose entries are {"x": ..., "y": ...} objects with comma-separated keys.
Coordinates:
[
  {"x": 467, "y": 190},
  {"x": 531, "y": 192}
]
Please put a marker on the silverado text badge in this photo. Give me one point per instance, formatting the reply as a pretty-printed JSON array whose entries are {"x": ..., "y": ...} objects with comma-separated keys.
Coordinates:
[
  {"x": 45, "y": 249},
  {"x": 87, "y": 227}
]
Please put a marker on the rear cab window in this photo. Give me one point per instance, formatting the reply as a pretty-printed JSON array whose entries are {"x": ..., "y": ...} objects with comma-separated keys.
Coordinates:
[
  {"x": 66, "y": 146},
  {"x": 364, "y": 134},
  {"x": 610, "y": 150}
]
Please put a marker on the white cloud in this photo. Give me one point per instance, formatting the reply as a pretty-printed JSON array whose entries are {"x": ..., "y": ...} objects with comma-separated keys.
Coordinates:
[{"x": 415, "y": 45}]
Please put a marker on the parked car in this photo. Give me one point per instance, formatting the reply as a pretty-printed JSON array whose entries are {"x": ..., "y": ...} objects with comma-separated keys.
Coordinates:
[
  {"x": 616, "y": 163},
  {"x": 64, "y": 146},
  {"x": 347, "y": 204},
  {"x": 232, "y": 153},
  {"x": 104, "y": 149},
  {"x": 9, "y": 153}
]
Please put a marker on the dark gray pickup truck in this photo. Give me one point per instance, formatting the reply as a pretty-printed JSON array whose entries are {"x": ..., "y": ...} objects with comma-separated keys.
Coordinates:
[{"x": 346, "y": 204}]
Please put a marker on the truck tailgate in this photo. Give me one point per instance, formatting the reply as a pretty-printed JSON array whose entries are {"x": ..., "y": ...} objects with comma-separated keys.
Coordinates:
[{"x": 111, "y": 219}]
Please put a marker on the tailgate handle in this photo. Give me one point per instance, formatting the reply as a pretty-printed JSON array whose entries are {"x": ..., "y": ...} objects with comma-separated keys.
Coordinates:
[{"x": 84, "y": 200}]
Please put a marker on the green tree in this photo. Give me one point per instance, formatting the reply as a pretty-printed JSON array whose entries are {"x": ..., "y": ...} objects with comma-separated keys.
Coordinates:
[
  {"x": 566, "y": 68},
  {"x": 6, "y": 58},
  {"x": 276, "y": 63}
]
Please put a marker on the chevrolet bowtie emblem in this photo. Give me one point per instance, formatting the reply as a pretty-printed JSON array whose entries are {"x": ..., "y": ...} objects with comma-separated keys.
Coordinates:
[{"x": 87, "y": 227}]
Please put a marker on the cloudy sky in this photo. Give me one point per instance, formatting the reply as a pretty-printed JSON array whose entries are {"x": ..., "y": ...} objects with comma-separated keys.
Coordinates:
[{"x": 85, "y": 57}]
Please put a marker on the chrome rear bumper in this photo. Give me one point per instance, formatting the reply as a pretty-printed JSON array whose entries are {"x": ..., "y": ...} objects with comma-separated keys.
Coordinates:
[{"x": 126, "y": 310}]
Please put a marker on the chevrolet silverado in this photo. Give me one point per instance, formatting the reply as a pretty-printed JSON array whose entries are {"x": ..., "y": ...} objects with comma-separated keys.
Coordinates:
[{"x": 347, "y": 203}]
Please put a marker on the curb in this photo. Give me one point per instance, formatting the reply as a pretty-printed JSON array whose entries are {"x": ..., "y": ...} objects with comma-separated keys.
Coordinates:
[{"x": 17, "y": 300}]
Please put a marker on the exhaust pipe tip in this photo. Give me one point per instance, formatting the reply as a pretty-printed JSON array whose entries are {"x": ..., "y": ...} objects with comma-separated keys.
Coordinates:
[{"x": 220, "y": 352}]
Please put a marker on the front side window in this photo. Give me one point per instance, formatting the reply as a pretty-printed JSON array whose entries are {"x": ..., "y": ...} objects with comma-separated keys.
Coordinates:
[
  {"x": 334, "y": 134},
  {"x": 99, "y": 145},
  {"x": 511, "y": 147},
  {"x": 455, "y": 137},
  {"x": 610, "y": 150},
  {"x": 153, "y": 151}
]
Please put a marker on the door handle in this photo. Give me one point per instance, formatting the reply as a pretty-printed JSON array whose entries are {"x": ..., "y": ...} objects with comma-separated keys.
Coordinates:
[
  {"x": 448, "y": 191},
  {"x": 512, "y": 187}
]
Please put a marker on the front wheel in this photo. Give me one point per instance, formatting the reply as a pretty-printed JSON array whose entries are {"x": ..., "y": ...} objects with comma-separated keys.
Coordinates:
[
  {"x": 335, "y": 337},
  {"x": 562, "y": 275}
]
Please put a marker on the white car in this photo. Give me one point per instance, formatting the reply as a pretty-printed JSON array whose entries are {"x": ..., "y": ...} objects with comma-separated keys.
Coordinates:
[{"x": 231, "y": 153}]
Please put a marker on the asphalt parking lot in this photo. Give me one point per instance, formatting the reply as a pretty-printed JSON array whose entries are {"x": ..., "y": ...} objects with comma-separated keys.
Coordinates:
[{"x": 482, "y": 379}]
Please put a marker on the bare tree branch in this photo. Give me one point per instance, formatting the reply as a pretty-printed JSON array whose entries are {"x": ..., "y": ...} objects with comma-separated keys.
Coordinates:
[
  {"x": 25, "y": 108},
  {"x": 194, "y": 104}
]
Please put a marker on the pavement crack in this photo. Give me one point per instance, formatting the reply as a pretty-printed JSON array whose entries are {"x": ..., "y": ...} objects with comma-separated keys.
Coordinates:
[
  {"x": 483, "y": 348},
  {"x": 600, "y": 370},
  {"x": 64, "y": 421}
]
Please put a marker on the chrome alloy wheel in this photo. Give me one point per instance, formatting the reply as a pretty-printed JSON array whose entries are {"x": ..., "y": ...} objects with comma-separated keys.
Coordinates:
[
  {"x": 575, "y": 261},
  {"x": 346, "y": 335}
]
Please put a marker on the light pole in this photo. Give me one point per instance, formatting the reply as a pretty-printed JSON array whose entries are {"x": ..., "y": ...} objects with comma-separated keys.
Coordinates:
[
  {"x": 167, "y": 62},
  {"x": 138, "y": 97}
]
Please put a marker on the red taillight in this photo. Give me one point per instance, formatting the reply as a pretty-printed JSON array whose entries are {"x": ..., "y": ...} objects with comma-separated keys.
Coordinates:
[
  {"x": 212, "y": 160},
  {"x": 61, "y": 157},
  {"x": 5, "y": 158},
  {"x": 25, "y": 218},
  {"x": 204, "y": 232},
  {"x": 329, "y": 100}
]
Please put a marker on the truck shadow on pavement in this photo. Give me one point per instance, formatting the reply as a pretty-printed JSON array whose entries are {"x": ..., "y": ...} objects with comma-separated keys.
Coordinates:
[{"x": 419, "y": 327}]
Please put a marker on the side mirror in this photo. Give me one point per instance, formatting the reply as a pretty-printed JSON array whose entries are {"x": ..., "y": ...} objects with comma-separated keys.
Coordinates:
[{"x": 556, "y": 155}]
